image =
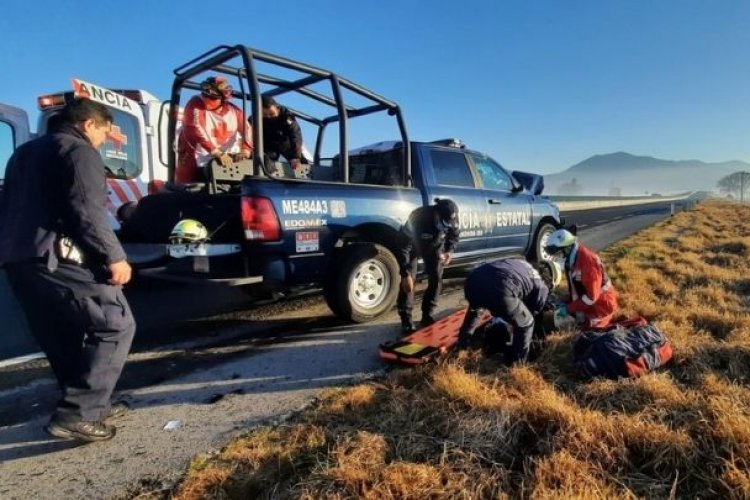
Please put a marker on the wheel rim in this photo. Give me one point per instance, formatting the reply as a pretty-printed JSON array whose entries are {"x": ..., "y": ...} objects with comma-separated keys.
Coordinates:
[
  {"x": 370, "y": 284},
  {"x": 543, "y": 238}
]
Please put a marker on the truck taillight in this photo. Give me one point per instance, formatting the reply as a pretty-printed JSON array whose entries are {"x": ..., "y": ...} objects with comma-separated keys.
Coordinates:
[{"x": 259, "y": 219}]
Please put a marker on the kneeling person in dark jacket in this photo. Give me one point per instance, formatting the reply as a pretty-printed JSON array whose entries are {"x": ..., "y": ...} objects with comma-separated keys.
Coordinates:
[{"x": 514, "y": 292}]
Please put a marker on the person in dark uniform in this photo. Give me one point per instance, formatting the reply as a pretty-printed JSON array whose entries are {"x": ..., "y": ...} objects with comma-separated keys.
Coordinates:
[
  {"x": 514, "y": 293},
  {"x": 67, "y": 268},
  {"x": 282, "y": 135},
  {"x": 431, "y": 233}
]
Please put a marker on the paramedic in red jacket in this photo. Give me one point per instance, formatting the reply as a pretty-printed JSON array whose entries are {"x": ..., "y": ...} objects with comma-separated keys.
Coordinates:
[
  {"x": 593, "y": 299},
  {"x": 212, "y": 129}
]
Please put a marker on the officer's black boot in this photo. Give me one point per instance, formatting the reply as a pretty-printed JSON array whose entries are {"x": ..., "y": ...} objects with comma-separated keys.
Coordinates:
[
  {"x": 427, "y": 320},
  {"x": 407, "y": 326}
]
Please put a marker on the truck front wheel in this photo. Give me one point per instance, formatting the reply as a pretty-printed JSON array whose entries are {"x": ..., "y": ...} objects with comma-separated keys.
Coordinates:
[
  {"x": 542, "y": 235},
  {"x": 365, "y": 284}
]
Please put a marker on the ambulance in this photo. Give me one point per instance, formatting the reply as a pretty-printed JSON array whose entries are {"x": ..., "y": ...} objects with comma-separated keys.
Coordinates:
[{"x": 135, "y": 153}]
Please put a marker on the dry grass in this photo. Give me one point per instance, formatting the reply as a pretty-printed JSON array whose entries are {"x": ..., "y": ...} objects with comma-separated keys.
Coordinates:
[{"x": 469, "y": 428}]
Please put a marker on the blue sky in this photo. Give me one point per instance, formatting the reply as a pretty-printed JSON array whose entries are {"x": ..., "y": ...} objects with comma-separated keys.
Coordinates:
[{"x": 539, "y": 85}]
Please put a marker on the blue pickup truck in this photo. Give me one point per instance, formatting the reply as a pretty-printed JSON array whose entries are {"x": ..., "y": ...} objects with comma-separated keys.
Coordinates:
[{"x": 335, "y": 228}]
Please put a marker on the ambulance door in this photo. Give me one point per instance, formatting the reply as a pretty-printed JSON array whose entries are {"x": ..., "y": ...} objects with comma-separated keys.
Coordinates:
[
  {"x": 14, "y": 131},
  {"x": 16, "y": 339},
  {"x": 125, "y": 153}
]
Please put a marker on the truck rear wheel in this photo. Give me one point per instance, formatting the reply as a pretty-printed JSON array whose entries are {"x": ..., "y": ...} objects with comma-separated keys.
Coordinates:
[{"x": 365, "y": 284}]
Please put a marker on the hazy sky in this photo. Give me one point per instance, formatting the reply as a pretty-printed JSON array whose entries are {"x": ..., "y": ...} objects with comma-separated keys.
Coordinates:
[{"x": 539, "y": 85}]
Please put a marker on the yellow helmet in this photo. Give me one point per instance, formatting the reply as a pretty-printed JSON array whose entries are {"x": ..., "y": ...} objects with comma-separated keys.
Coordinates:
[{"x": 188, "y": 231}]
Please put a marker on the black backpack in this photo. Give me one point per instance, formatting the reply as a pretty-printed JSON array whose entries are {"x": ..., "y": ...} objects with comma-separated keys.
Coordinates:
[{"x": 627, "y": 349}]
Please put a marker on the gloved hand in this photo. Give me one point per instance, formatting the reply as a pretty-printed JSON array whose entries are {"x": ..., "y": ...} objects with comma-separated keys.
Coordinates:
[
  {"x": 562, "y": 310},
  {"x": 223, "y": 158},
  {"x": 240, "y": 156}
]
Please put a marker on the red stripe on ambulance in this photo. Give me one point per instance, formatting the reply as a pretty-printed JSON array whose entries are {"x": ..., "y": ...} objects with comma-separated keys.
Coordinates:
[
  {"x": 115, "y": 187},
  {"x": 135, "y": 188}
]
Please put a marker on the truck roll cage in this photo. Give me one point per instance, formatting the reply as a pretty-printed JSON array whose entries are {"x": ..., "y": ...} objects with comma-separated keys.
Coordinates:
[{"x": 240, "y": 61}]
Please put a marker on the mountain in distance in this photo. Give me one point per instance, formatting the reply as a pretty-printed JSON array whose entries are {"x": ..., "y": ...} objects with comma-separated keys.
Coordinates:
[{"x": 630, "y": 175}]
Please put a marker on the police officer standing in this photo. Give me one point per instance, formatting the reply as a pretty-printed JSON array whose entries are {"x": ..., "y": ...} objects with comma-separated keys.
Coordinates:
[
  {"x": 514, "y": 292},
  {"x": 281, "y": 133},
  {"x": 431, "y": 233},
  {"x": 67, "y": 268}
]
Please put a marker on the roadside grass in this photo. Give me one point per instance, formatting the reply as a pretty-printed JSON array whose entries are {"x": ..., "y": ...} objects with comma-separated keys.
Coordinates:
[{"x": 467, "y": 427}]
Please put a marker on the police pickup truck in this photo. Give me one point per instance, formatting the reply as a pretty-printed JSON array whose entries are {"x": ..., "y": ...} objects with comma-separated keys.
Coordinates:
[{"x": 337, "y": 227}]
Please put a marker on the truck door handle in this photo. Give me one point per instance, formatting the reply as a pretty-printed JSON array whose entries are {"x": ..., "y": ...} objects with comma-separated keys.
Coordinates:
[{"x": 493, "y": 201}]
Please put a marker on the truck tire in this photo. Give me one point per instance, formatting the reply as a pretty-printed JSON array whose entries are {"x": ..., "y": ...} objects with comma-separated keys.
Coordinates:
[
  {"x": 365, "y": 283},
  {"x": 537, "y": 253}
]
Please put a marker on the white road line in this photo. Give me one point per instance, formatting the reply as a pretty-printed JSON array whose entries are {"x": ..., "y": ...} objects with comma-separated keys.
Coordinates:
[{"x": 21, "y": 359}]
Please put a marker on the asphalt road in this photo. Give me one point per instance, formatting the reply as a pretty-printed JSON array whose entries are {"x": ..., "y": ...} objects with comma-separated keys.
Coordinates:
[{"x": 212, "y": 366}]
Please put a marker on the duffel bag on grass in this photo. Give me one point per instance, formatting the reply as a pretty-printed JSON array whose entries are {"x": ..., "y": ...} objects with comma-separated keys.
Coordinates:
[{"x": 627, "y": 349}]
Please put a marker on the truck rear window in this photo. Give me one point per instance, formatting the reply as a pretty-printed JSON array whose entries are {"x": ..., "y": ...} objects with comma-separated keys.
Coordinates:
[{"x": 382, "y": 168}]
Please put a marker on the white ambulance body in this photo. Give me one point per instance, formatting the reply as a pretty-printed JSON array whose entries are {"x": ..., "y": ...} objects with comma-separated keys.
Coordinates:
[
  {"x": 132, "y": 154},
  {"x": 135, "y": 153}
]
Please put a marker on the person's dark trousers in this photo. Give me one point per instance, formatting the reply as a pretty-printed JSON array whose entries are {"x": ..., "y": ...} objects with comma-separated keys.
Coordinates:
[
  {"x": 512, "y": 310},
  {"x": 84, "y": 327},
  {"x": 405, "y": 301},
  {"x": 434, "y": 269}
]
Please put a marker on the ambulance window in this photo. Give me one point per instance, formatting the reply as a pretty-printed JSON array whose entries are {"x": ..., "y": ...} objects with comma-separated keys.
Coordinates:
[
  {"x": 122, "y": 151},
  {"x": 6, "y": 147}
]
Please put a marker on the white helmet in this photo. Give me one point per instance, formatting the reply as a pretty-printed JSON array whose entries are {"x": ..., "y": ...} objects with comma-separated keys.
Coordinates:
[
  {"x": 559, "y": 240},
  {"x": 551, "y": 273}
]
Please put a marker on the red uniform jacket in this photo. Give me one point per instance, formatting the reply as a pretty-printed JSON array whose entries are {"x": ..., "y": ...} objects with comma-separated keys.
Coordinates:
[
  {"x": 591, "y": 291},
  {"x": 203, "y": 131}
]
